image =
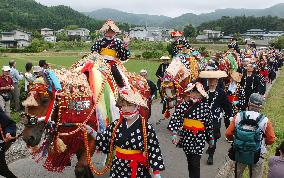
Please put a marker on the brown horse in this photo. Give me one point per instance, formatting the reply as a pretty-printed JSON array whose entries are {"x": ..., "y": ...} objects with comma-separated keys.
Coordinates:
[
  {"x": 175, "y": 81},
  {"x": 59, "y": 148},
  {"x": 88, "y": 93}
]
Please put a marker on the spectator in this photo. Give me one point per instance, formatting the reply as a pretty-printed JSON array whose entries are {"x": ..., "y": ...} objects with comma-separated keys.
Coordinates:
[
  {"x": 276, "y": 163},
  {"x": 255, "y": 104},
  {"x": 16, "y": 76},
  {"x": 29, "y": 77},
  {"x": 9, "y": 130},
  {"x": 153, "y": 90},
  {"x": 161, "y": 72},
  {"x": 6, "y": 86},
  {"x": 42, "y": 63}
]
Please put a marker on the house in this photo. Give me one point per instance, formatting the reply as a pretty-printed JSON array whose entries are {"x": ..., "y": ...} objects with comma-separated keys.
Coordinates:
[
  {"x": 138, "y": 33},
  {"x": 16, "y": 39},
  {"x": 203, "y": 38},
  {"x": 150, "y": 33},
  {"x": 226, "y": 39},
  {"x": 46, "y": 32},
  {"x": 213, "y": 34},
  {"x": 80, "y": 34},
  {"x": 262, "y": 34},
  {"x": 51, "y": 39},
  {"x": 210, "y": 36},
  {"x": 259, "y": 43},
  {"x": 60, "y": 31}
]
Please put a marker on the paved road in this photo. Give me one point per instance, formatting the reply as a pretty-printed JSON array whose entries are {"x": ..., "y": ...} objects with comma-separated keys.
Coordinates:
[{"x": 175, "y": 160}]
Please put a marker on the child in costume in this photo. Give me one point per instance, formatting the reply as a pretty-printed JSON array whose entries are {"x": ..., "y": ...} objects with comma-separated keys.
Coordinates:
[
  {"x": 112, "y": 49},
  {"x": 192, "y": 120},
  {"x": 133, "y": 139}
]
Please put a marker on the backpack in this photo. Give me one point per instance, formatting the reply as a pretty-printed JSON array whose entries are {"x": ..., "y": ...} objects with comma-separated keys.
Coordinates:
[{"x": 246, "y": 146}]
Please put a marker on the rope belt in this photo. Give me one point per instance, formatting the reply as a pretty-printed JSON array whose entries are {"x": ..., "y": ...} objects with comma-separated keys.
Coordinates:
[
  {"x": 135, "y": 156},
  {"x": 193, "y": 125}
]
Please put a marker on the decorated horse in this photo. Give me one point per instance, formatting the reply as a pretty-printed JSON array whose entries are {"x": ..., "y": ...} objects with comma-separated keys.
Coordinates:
[
  {"x": 182, "y": 70},
  {"x": 56, "y": 119}
]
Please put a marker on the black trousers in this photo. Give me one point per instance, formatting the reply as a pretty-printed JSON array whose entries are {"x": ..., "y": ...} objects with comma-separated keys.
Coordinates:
[
  {"x": 193, "y": 162},
  {"x": 4, "y": 170}
]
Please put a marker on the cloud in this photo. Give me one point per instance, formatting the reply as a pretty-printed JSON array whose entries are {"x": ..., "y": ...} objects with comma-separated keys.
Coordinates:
[{"x": 162, "y": 7}]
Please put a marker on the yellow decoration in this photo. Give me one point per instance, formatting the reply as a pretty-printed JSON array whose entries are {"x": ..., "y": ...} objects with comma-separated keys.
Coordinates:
[
  {"x": 193, "y": 123},
  {"x": 108, "y": 52},
  {"x": 128, "y": 152}
]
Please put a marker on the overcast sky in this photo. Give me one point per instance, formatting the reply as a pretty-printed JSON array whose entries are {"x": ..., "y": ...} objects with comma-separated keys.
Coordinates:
[{"x": 170, "y": 8}]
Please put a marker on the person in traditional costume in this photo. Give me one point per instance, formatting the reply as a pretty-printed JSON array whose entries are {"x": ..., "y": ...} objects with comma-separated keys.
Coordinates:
[
  {"x": 113, "y": 49},
  {"x": 192, "y": 121},
  {"x": 236, "y": 94},
  {"x": 252, "y": 83},
  {"x": 179, "y": 44},
  {"x": 160, "y": 73},
  {"x": 219, "y": 105},
  {"x": 137, "y": 150},
  {"x": 234, "y": 45}
]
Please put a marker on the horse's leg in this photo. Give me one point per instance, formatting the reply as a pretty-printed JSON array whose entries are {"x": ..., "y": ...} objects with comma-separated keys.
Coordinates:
[{"x": 82, "y": 169}]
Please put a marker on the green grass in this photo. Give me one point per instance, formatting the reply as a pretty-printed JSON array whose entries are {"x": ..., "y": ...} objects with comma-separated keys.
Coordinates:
[
  {"x": 68, "y": 58},
  {"x": 273, "y": 109}
]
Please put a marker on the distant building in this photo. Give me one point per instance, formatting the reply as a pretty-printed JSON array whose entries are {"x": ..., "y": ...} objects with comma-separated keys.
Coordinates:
[
  {"x": 202, "y": 38},
  {"x": 80, "y": 33},
  {"x": 150, "y": 33},
  {"x": 226, "y": 39},
  {"x": 138, "y": 33},
  {"x": 48, "y": 35},
  {"x": 60, "y": 31},
  {"x": 261, "y": 34},
  {"x": 46, "y": 32},
  {"x": 210, "y": 36},
  {"x": 213, "y": 34},
  {"x": 16, "y": 39},
  {"x": 51, "y": 39}
]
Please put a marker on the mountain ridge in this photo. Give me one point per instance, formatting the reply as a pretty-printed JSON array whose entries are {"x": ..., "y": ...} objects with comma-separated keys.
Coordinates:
[{"x": 184, "y": 19}]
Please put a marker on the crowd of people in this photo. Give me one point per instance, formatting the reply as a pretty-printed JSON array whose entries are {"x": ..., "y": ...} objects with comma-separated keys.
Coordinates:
[{"x": 231, "y": 86}]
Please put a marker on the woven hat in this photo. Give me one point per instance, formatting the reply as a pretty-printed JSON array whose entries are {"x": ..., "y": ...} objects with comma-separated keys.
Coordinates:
[
  {"x": 256, "y": 99},
  {"x": 133, "y": 96},
  {"x": 176, "y": 33},
  {"x": 236, "y": 76},
  {"x": 109, "y": 24},
  {"x": 165, "y": 58},
  {"x": 199, "y": 88},
  {"x": 6, "y": 68},
  {"x": 213, "y": 74}
]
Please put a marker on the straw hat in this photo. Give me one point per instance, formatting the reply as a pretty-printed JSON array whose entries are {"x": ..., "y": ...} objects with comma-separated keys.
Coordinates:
[
  {"x": 133, "y": 97},
  {"x": 109, "y": 24},
  {"x": 165, "y": 58},
  {"x": 176, "y": 33},
  {"x": 213, "y": 74},
  {"x": 199, "y": 88},
  {"x": 6, "y": 68},
  {"x": 236, "y": 76}
]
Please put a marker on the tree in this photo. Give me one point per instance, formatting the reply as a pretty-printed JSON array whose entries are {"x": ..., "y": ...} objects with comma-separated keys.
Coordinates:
[
  {"x": 71, "y": 27},
  {"x": 61, "y": 37},
  {"x": 190, "y": 31},
  {"x": 279, "y": 42}
]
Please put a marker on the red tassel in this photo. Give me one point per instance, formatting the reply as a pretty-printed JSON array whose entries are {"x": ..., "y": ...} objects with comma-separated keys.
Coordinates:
[{"x": 167, "y": 114}]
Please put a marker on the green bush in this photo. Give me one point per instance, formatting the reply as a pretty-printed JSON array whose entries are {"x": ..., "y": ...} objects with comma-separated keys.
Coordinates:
[{"x": 152, "y": 54}]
